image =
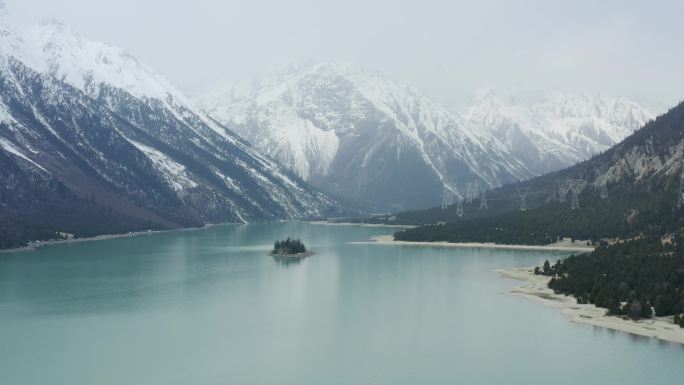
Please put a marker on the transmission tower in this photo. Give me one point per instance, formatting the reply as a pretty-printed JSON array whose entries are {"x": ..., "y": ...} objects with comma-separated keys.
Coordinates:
[
  {"x": 522, "y": 193},
  {"x": 576, "y": 189},
  {"x": 469, "y": 193},
  {"x": 459, "y": 208},
  {"x": 604, "y": 191},
  {"x": 574, "y": 202},
  {"x": 562, "y": 191},
  {"x": 446, "y": 198},
  {"x": 483, "y": 200}
]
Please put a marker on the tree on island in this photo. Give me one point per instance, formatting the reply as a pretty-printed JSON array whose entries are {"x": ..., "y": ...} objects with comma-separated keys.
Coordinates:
[{"x": 289, "y": 246}]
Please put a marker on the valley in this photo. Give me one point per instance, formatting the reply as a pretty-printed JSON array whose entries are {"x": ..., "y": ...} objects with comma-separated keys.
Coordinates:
[{"x": 341, "y": 193}]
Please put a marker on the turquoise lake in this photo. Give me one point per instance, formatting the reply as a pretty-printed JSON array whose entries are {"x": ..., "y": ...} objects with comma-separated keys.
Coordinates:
[{"x": 210, "y": 306}]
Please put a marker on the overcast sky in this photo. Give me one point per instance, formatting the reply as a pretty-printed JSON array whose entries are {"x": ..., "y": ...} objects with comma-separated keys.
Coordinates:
[{"x": 448, "y": 49}]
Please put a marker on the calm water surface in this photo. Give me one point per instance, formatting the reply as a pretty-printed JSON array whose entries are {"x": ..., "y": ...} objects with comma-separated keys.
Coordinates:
[{"x": 211, "y": 307}]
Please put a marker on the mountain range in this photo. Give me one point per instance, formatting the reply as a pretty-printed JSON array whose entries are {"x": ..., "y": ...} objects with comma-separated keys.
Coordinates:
[
  {"x": 552, "y": 130},
  {"x": 365, "y": 137},
  {"x": 631, "y": 190},
  {"x": 95, "y": 141}
]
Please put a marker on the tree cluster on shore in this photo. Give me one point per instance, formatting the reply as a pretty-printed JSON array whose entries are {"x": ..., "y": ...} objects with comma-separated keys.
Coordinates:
[
  {"x": 289, "y": 246},
  {"x": 634, "y": 279},
  {"x": 633, "y": 211}
]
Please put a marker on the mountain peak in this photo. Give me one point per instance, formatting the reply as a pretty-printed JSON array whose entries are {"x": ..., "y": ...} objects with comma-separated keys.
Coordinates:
[
  {"x": 355, "y": 132},
  {"x": 55, "y": 48},
  {"x": 55, "y": 23},
  {"x": 283, "y": 79},
  {"x": 564, "y": 127}
]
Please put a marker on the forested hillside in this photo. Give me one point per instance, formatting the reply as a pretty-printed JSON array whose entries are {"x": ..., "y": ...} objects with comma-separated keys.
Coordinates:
[
  {"x": 630, "y": 190},
  {"x": 36, "y": 207}
]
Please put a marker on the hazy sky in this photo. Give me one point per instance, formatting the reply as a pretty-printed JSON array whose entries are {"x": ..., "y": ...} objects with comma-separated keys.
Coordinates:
[{"x": 447, "y": 49}]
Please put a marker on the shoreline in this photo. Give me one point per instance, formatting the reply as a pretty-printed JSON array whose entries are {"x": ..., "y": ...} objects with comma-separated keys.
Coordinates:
[
  {"x": 327, "y": 223},
  {"x": 535, "y": 288},
  {"x": 102, "y": 237},
  {"x": 560, "y": 246}
]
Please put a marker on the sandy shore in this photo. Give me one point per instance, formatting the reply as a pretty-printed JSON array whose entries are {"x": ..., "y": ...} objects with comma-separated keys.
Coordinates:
[
  {"x": 563, "y": 246},
  {"x": 359, "y": 224},
  {"x": 536, "y": 289},
  {"x": 102, "y": 237}
]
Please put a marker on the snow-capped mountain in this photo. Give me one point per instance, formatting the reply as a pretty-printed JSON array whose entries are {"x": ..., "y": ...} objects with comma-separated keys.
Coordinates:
[
  {"x": 87, "y": 119},
  {"x": 630, "y": 191},
  {"x": 551, "y": 130},
  {"x": 362, "y": 136}
]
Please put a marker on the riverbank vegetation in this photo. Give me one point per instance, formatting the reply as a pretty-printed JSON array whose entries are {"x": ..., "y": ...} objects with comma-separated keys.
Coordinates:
[
  {"x": 635, "y": 279},
  {"x": 627, "y": 215}
]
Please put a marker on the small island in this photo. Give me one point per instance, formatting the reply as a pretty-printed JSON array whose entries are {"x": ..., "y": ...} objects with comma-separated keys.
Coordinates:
[{"x": 290, "y": 248}]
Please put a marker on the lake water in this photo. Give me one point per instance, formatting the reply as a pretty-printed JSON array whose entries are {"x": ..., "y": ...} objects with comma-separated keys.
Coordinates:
[{"x": 211, "y": 307}]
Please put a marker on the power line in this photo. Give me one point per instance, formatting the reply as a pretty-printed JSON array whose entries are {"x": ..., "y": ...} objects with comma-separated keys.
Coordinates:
[{"x": 574, "y": 187}]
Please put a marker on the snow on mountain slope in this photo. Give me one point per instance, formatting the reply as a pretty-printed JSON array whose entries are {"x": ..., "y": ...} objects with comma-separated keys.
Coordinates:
[
  {"x": 54, "y": 48},
  {"x": 68, "y": 103},
  {"x": 61, "y": 52},
  {"x": 361, "y": 135},
  {"x": 552, "y": 130}
]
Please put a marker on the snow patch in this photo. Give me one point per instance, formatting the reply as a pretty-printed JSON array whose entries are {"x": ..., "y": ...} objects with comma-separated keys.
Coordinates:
[
  {"x": 173, "y": 172},
  {"x": 10, "y": 148}
]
